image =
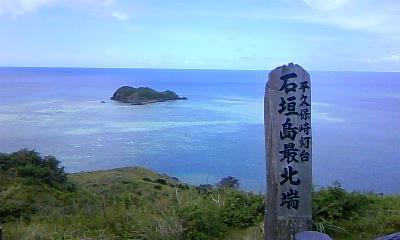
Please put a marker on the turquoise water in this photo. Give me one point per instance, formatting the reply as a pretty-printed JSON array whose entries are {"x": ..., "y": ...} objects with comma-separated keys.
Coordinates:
[{"x": 216, "y": 133}]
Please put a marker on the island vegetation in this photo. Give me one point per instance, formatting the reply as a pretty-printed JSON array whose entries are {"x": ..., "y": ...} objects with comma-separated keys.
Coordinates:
[
  {"x": 143, "y": 95},
  {"x": 40, "y": 201}
]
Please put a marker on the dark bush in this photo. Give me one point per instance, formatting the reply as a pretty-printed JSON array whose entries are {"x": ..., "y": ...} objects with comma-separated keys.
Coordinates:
[
  {"x": 28, "y": 164},
  {"x": 205, "y": 188},
  {"x": 229, "y": 182},
  {"x": 9, "y": 211},
  {"x": 161, "y": 181},
  {"x": 146, "y": 179},
  {"x": 183, "y": 186},
  {"x": 175, "y": 179}
]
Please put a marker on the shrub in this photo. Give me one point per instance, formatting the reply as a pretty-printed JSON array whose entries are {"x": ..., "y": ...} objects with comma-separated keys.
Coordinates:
[
  {"x": 161, "y": 181},
  {"x": 334, "y": 204},
  {"x": 205, "y": 187},
  {"x": 29, "y": 164},
  {"x": 243, "y": 210},
  {"x": 229, "y": 182},
  {"x": 183, "y": 186},
  {"x": 201, "y": 222},
  {"x": 146, "y": 179}
]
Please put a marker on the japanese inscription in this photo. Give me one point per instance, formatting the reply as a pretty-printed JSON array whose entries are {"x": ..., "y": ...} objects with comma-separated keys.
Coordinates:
[{"x": 287, "y": 114}]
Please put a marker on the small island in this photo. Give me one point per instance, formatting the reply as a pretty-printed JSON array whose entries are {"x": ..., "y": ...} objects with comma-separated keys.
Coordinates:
[{"x": 143, "y": 95}]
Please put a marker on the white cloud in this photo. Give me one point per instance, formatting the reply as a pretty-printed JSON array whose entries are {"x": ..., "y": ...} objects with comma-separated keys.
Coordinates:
[
  {"x": 360, "y": 15},
  {"x": 392, "y": 58},
  {"x": 326, "y": 4},
  {"x": 20, "y": 7},
  {"x": 17, "y": 8},
  {"x": 107, "y": 3},
  {"x": 370, "y": 16},
  {"x": 120, "y": 16}
]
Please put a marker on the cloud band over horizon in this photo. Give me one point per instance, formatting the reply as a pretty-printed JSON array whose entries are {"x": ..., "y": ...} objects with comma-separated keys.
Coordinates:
[{"x": 228, "y": 34}]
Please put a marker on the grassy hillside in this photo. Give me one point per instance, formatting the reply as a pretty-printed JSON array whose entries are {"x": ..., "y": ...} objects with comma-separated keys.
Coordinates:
[
  {"x": 39, "y": 201},
  {"x": 126, "y": 203}
]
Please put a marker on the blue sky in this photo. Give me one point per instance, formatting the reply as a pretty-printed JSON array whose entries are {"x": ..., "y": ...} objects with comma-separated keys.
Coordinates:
[{"x": 355, "y": 35}]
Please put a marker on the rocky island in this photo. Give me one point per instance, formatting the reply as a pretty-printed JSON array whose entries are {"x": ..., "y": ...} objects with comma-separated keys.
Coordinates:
[{"x": 143, "y": 95}]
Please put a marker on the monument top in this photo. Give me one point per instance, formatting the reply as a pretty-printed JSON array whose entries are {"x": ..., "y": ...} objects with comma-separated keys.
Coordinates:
[{"x": 283, "y": 70}]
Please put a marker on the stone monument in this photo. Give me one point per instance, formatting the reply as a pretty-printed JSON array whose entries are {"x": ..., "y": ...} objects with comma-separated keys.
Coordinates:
[{"x": 288, "y": 141}]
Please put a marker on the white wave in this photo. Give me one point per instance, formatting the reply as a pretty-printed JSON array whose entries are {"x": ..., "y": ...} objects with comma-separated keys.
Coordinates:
[
  {"x": 326, "y": 117},
  {"x": 321, "y": 104}
]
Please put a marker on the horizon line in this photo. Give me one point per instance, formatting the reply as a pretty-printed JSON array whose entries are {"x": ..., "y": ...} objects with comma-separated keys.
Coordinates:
[{"x": 214, "y": 69}]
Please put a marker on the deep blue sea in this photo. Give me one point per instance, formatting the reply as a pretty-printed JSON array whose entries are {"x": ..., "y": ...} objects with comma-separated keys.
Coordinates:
[{"x": 218, "y": 132}]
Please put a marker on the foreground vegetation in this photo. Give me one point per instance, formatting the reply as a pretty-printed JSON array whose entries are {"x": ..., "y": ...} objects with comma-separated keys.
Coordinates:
[{"x": 39, "y": 201}]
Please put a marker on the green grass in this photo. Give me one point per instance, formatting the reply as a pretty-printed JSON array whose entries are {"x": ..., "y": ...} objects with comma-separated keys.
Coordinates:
[
  {"x": 136, "y": 203},
  {"x": 125, "y": 203},
  {"x": 381, "y": 216},
  {"x": 354, "y": 215}
]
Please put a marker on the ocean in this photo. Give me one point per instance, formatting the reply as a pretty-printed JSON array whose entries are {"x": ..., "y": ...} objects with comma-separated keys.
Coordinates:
[{"x": 217, "y": 132}]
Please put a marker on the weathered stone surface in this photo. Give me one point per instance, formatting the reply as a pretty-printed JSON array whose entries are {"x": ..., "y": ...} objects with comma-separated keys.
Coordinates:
[
  {"x": 287, "y": 116},
  {"x": 311, "y": 235},
  {"x": 395, "y": 236}
]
